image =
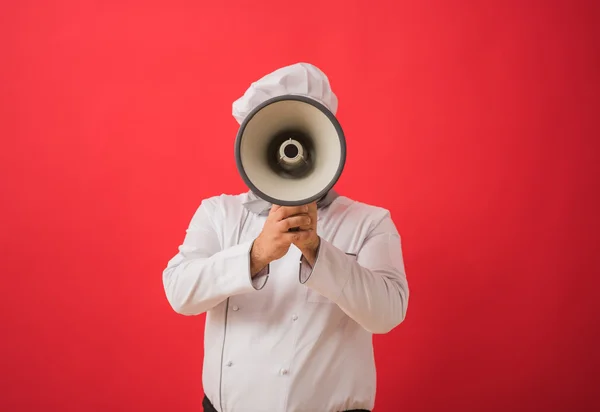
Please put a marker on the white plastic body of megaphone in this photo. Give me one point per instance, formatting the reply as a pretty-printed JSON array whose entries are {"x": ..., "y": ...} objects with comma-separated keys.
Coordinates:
[{"x": 290, "y": 150}]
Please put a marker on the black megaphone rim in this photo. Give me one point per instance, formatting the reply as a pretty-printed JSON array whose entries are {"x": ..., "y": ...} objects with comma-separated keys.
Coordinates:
[{"x": 334, "y": 121}]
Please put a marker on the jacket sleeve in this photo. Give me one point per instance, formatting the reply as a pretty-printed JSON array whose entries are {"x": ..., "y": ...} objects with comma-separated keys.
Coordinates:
[
  {"x": 202, "y": 274},
  {"x": 370, "y": 287}
]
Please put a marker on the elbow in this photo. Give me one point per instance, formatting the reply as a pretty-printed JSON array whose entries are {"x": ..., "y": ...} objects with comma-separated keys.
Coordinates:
[
  {"x": 182, "y": 305},
  {"x": 178, "y": 305},
  {"x": 181, "y": 308},
  {"x": 178, "y": 302},
  {"x": 385, "y": 324}
]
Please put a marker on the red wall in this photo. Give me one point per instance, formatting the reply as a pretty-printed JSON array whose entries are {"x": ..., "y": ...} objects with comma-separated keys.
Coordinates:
[{"x": 475, "y": 122}]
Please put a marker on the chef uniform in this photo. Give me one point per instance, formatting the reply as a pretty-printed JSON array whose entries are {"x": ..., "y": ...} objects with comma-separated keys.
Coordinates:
[{"x": 294, "y": 338}]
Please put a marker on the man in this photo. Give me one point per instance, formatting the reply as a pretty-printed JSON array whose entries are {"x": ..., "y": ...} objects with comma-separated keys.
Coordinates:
[{"x": 289, "y": 315}]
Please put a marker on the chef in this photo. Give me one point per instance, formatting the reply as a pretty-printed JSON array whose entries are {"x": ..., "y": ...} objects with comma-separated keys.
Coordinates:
[{"x": 289, "y": 315}]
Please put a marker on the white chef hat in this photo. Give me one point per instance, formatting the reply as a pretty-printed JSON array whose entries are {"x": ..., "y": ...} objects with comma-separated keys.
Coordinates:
[{"x": 302, "y": 79}]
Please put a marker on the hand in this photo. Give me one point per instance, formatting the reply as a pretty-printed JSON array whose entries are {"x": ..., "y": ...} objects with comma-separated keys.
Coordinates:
[
  {"x": 309, "y": 244},
  {"x": 275, "y": 238}
]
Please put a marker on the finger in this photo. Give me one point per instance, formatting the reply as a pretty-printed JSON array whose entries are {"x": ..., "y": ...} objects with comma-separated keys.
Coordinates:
[
  {"x": 311, "y": 225},
  {"x": 274, "y": 208},
  {"x": 312, "y": 209},
  {"x": 297, "y": 236},
  {"x": 287, "y": 211},
  {"x": 294, "y": 221}
]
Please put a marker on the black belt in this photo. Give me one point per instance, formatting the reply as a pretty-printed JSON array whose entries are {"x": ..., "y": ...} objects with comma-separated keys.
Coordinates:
[{"x": 208, "y": 407}]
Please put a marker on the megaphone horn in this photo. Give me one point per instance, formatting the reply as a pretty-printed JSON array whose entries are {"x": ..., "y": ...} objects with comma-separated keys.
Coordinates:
[{"x": 290, "y": 150}]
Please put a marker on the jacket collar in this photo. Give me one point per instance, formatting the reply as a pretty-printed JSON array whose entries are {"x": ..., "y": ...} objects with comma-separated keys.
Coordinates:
[{"x": 261, "y": 207}]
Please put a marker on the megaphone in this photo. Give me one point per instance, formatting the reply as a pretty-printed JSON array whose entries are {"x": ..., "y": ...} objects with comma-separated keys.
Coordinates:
[{"x": 290, "y": 150}]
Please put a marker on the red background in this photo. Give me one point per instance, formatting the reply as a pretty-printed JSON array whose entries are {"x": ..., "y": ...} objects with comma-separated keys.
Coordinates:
[{"x": 475, "y": 122}]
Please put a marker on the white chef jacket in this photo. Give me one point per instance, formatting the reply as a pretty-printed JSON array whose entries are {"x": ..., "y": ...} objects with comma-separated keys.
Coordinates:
[{"x": 294, "y": 338}]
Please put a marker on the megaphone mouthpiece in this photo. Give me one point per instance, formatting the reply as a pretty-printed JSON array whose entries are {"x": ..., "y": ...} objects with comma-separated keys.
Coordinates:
[{"x": 291, "y": 154}]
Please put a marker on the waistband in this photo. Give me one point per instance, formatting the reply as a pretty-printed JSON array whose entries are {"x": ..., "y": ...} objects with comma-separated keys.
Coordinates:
[{"x": 208, "y": 407}]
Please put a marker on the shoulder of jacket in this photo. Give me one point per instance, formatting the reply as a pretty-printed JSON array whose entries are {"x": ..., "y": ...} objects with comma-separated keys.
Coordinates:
[
  {"x": 224, "y": 203},
  {"x": 361, "y": 210}
]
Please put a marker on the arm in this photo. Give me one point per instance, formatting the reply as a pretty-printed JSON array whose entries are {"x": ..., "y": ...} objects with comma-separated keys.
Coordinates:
[
  {"x": 202, "y": 275},
  {"x": 372, "y": 287}
]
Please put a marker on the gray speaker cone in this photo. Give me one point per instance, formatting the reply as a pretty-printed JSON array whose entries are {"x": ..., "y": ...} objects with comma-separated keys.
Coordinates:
[{"x": 290, "y": 150}]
